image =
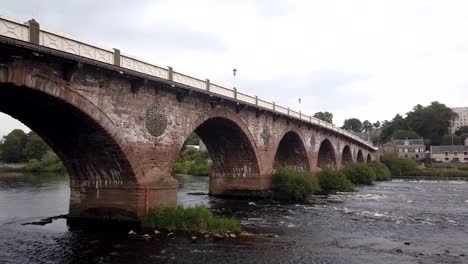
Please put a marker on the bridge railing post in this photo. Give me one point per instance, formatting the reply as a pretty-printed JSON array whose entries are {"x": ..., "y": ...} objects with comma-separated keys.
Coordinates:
[
  {"x": 274, "y": 106},
  {"x": 300, "y": 115},
  {"x": 116, "y": 57},
  {"x": 288, "y": 112},
  {"x": 170, "y": 73},
  {"x": 208, "y": 85},
  {"x": 235, "y": 93},
  {"x": 256, "y": 100},
  {"x": 34, "y": 29}
]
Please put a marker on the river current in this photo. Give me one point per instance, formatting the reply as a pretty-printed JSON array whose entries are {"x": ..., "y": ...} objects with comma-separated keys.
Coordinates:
[{"x": 390, "y": 222}]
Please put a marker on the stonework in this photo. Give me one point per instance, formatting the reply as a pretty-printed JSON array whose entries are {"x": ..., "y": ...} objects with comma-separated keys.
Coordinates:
[
  {"x": 156, "y": 121},
  {"x": 119, "y": 143}
]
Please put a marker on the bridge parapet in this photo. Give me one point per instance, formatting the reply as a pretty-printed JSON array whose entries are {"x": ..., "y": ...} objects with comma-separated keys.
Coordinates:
[{"x": 18, "y": 30}]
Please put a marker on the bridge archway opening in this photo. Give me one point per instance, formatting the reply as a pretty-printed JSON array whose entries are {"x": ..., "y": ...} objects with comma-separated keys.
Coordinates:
[
  {"x": 87, "y": 150},
  {"x": 347, "y": 157},
  {"x": 230, "y": 150},
  {"x": 360, "y": 157},
  {"x": 369, "y": 158},
  {"x": 326, "y": 156},
  {"x": 291, "y": 152}
]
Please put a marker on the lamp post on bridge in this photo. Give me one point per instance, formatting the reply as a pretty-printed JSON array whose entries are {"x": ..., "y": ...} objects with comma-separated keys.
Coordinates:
[{"x": 234, "y": 73}]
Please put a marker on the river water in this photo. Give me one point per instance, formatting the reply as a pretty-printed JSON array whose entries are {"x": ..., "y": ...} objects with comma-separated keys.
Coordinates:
[{"x": 390, "y": 222}]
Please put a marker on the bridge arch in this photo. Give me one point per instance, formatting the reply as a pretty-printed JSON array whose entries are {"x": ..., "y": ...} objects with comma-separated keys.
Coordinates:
[
  {"x": 81, "y": 135},
  {"x": 231, "y": 147},
  {"x": 291, "y": 152},
  {"x": 346, "y": 156},
  {"x": 326, "y": 155},
  {"x": 369, "y": 158},
  {"x": 360, "y": 157}
]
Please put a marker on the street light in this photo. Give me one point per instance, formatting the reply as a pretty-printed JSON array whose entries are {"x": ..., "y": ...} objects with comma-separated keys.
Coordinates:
[{"x": 234, "y": 72}]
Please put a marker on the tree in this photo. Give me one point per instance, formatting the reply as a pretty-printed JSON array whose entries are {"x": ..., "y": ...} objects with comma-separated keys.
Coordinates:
[
  {"x": 388, "y": 127},
  {"x": 376, "y": 124},
  {"x": 324, "y": 116},
  {"x": 35, "y": 147},
  {"x": 353, "y": 124},
  {"x": 13, "y": 145},
  {"x": 193, "y": 139},
  {"x": 431, "y": 121},
  {"x": 461, "y": 130},
  {"x": 366, "y": 125},
  {"x": 403, "y": 134},
  {"x": 451, "y": 140}
]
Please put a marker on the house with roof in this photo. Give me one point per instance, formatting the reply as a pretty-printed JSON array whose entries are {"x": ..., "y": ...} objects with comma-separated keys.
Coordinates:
[
  {"x": 450, "y": 153},
  {"x": 407, "y": 148}
]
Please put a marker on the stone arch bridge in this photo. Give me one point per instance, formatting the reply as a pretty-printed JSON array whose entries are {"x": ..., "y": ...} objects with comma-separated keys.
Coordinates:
[{"x": 118, "y": 123}]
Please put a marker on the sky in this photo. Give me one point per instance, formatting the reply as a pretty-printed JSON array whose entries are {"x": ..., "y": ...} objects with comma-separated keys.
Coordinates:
[{"x": 367, "y": 59}]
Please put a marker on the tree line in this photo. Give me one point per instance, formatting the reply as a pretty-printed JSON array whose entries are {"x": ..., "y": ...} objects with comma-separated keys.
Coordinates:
[
  {"x": 18, "y": 146},
  {"x": 430, "y": 122}
]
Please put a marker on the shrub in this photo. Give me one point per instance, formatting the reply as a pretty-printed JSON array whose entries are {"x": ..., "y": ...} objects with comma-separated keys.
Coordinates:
[
  {"x": 360, "y": 173},
  {"x": 198, "y": 218},
  {"x": 382, "y": 173},
  {"x": 399, "y": 166},
  {"x": 289, "y": 184},
  {"x": 193, "y": 162},
  {"x": 49, "y": 162},
  {"x": 332, "y": 180}
]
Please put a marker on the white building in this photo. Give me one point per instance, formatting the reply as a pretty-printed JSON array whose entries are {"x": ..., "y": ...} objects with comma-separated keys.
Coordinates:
[{"x": 462, "y": 119}]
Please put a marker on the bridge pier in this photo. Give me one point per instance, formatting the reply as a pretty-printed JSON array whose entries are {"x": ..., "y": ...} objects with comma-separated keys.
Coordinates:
[
  {"x": 118, "y": 201},
  {"x": 228, "y": 185}
]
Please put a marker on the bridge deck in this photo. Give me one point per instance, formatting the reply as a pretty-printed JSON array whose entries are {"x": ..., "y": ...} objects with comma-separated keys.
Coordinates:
[{"x": 27, "y": 32}]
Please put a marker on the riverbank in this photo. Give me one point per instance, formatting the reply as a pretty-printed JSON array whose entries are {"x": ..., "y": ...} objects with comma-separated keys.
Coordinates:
[
  {"x": 12, "y": 167},
  {"x": 50, "y": 162}
]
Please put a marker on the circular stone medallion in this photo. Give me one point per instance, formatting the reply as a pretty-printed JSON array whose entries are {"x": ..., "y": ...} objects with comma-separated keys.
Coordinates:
[{"x": 156, "y": 121}]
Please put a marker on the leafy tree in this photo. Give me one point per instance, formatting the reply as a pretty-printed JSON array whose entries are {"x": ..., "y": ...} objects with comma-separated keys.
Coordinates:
[
  {"x": 461, "y": 130},
  {"x": 366, "y": 125},
  {"x": 324, "y": 116},
  {"x": 376, "y": 124},
  {"x": 431, "y": 121},
  {"x": 13, "y": 145},
  {"x": 35, "y": 147},
  {"x": 193, "y": 139},
  {"x": 451, "y": 140},
  {"x": 403, "y": 134},
  {"x": 353, "y": 124}
]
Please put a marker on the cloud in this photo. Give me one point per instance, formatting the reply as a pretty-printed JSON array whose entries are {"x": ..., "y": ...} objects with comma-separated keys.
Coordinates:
[{"x": 368, "y": 59}]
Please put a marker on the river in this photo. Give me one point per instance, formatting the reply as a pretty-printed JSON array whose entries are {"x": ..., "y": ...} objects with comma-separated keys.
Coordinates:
[{"x": 390, "y": 222}]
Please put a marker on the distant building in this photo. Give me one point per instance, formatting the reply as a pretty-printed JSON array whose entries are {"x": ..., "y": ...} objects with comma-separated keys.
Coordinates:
[
  {"x": 461, "y": 120},
  {"x": 407, "y": 148},
  {"x": 451, "y": 153}
]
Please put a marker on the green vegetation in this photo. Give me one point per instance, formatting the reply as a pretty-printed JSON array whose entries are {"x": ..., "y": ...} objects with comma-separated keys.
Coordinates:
[
  {"x": 193, "y": 162},
  {"x": 289, "y": 184},
  {"x": 353, "y": 124},
  {"x": 18, "y": 147},
  {"x": 193, "y": 139},
  {"x": 48, "y": 163},
  {"x": 404, "y": 134},
  {"x": 360, "y": 173},
  {"x": 197, "y": 218},
  {"x": 400, "y": 166},
  {"x": 382, "y": 173},
  {"x": 429, "y": 122},
  {"x": 11, "y": 150},
  {"x": 333, "y": 181},
  {"x": 324, "y": 116}
]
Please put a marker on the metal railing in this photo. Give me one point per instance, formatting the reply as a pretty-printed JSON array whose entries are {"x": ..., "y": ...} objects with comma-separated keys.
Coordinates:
[{"x": 30, "y": 32}]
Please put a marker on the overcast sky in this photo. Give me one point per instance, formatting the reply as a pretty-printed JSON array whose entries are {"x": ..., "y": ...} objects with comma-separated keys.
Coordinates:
[{"x": 366, "y": 59}]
